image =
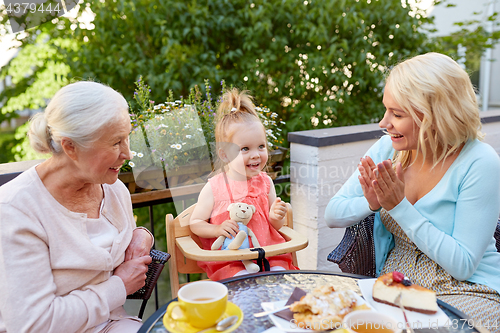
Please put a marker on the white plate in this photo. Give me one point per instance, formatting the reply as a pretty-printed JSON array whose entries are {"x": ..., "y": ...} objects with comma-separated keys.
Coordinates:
[
  {"x": 287, "y": 326},
  {"x": 416, "y": 319}
]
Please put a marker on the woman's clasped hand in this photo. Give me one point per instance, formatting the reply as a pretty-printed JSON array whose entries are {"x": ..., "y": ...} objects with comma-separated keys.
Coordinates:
[{"x": 382, "y": 185}]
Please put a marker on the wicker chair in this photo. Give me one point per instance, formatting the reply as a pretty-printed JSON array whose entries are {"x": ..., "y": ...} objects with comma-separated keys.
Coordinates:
[
  {"x": 497, "y": 235},
  {"x": 356, "y": 252},
  {"x": 154, "y": 269}
]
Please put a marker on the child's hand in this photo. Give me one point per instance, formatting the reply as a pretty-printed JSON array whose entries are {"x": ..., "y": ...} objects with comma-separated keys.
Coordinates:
[
  {"x": 278, "y": 210},
  {"x": 228, "y": 229}
]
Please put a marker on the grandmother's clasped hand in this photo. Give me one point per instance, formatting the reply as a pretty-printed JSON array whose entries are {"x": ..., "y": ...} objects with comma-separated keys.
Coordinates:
[
  {"x": 140, "y": 244},
  {"x": 133, "y": 273},
  {"x": 382, "y": 186}
]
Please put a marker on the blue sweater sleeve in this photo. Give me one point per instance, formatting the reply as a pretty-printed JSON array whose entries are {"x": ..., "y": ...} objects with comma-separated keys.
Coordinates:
[
  {"x": 473, "y": 196},
  {"x": 348, "y": 206}
]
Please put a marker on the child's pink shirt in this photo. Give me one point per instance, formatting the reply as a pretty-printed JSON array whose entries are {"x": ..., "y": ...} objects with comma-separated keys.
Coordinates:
[{"x": 254, "y": 192}]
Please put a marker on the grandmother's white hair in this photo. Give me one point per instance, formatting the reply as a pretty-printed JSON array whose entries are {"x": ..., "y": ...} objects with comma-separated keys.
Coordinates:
[
  {"x": 440, "y": 97},
  {"x": 77, "y": 111}
]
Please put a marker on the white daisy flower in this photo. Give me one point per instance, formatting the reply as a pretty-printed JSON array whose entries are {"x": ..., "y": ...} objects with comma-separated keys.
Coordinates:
[
  {"x": 176, "y": 146},
  {"x": 132, "y": 164},
  {"x": 140, "y": 155},
  {"x": 133, "y": 153},
  {"x": 157, "y": 107}
]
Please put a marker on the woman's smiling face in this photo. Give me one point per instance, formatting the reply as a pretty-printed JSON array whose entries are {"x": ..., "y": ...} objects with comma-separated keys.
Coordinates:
[{"x": 399, "y": 124}]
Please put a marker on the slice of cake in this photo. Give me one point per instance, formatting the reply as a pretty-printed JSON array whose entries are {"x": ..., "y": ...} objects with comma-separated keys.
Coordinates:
[{"x": 414, "y": 297}]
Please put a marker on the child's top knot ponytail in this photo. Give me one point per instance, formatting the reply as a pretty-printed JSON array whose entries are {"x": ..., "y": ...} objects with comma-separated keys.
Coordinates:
[
  {"x": 236, "y": 107},
  {"x": 235, "y": 101}
]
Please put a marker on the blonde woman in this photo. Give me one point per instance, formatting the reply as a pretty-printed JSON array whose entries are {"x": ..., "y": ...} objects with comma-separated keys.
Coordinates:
[{"x": 434, "y": 186}]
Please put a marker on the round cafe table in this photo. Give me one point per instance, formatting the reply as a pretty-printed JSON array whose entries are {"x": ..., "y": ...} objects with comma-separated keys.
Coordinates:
[{"x": 249, "y": 291}]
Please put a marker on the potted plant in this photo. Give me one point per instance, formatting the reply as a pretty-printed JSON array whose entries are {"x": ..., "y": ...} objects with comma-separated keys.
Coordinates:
[{"x": 172, "y": 142}]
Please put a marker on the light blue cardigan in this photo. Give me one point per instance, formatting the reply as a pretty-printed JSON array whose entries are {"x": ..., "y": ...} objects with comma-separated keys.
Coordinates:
[{"x": 453, "y": 224}]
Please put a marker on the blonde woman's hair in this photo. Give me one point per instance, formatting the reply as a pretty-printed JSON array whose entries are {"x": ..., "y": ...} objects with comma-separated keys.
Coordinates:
[
  {"x": 77, "y": 111},
  {"x": 439, "y": 96},
  {"x": 236, "y": 107}
]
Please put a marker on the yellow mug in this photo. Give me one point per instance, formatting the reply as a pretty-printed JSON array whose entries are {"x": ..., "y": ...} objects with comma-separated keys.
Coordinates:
[{"x": 200, "y": 303}]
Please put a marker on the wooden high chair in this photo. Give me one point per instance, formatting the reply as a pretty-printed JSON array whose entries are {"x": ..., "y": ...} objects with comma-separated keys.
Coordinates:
[{"x": 185, "y": 247}]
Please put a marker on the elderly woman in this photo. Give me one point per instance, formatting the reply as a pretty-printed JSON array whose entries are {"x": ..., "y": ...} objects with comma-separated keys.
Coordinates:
[{"x": 70, "y": 252}]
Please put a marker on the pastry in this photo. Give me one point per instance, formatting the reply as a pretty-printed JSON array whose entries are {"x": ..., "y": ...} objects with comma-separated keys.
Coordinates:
[
  {"x": 323, "y": 308},
  {"x": 414, "y": 297}
]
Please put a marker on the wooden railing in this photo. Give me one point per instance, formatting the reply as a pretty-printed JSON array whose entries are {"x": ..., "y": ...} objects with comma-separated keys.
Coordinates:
[{"x": 150, "y": 199}]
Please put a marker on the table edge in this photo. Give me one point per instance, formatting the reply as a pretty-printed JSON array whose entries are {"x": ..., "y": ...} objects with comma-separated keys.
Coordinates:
[{"x": 157, "y": 315}]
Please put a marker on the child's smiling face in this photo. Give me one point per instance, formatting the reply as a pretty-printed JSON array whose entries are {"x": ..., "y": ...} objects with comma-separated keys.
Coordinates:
[{"x": 247, "y": 155}]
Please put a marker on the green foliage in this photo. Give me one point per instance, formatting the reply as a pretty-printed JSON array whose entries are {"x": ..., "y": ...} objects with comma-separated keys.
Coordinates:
[
  {"x": 474, "y": 37},
  {"x": 173, "y": 134},
  {"x": 7, "y": 141},
  {"x": 317, "y": 63},
  {"x": 37, "y": 72}
]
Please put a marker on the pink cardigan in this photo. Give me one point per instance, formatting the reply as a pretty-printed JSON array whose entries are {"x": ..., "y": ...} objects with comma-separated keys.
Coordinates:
[{"x": 52, "y": 278}]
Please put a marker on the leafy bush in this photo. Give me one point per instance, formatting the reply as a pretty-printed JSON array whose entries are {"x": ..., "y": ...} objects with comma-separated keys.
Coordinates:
[
  {"x": 316, "y": 63},
  {"x": 173, "y": 134}
]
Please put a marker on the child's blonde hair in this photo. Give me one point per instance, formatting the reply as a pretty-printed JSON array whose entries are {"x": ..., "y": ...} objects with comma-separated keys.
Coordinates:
[
  {"x": 440, "y": 97},
  {"x": 236, "y": 107}
]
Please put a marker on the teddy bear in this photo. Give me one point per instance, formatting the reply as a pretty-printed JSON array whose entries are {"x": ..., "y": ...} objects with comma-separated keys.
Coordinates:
[{"x": 241, "y": 213}]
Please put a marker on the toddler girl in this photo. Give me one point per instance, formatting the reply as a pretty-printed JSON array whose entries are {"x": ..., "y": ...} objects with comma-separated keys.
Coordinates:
[{"x": 242, "y": 151}]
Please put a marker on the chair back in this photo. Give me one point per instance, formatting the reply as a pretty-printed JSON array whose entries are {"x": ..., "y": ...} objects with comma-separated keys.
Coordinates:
[
  {"x": 159, "y": 260},
  {"x": 175, "y": 228},
  {"x": 179, "y": 228},
  {"x": 356, "y": 251},
  {"x": 497, "y": 235}
]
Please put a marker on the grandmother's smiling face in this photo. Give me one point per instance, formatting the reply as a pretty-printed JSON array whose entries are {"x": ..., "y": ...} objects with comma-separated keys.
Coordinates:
[{"x": 101, "y": 163}]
